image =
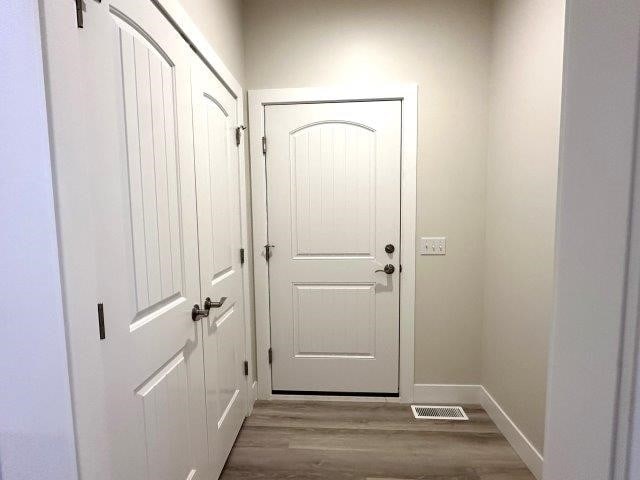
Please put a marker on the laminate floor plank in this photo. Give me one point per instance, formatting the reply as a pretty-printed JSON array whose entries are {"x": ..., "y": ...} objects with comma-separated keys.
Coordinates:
[{"x": 286, "y": 440}]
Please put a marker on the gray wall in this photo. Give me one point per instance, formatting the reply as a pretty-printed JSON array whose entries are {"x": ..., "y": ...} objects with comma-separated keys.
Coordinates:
[
  {"x": 489, "y": 76},
  {"x": 522, "y": 166},
  {"x": 443, "y": 45},
  {"x": 220, "y": 21}
]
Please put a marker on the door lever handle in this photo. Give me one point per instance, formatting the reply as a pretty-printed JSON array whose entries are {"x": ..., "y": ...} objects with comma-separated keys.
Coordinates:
[
  {"x": 209, "y": 304},
  {"x": 197, "y": 313},
  {"x": 267, "y": 250},
  {"x": 388, "y": 269}
]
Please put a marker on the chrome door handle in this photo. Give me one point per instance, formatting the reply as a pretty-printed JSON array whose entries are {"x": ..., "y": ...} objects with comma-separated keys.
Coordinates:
[
  {"x": 388, "y": 269},
  {"x": 209, "y": 304},
  {"x": 197, "y": 313}
]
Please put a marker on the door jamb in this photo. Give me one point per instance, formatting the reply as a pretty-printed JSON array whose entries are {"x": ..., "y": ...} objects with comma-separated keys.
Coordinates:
[{"x": 408, "y": 95}]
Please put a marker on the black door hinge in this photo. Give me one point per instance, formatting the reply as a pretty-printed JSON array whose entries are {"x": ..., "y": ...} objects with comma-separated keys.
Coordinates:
[
  {"x": 239, "y": 134},
  {"x": 267, "y": 251},
  {"x": 270, "y": 356},
  {"x": 264, "y": 145},
  {"x": 400, "y": 268},
  {"x": 246, "y": 368},
  {"x": 241, "y": 256},
  {"x": 80, "y": 7},
  {"x": 79, "y": 13},
  {"x": 101, "y": 321}
]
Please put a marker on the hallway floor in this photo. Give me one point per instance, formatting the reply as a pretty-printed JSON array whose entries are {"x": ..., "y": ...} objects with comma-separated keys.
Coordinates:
[{"x": 368, "y": 441}]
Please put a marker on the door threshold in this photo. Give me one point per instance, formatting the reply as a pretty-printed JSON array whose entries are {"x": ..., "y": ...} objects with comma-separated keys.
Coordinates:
[
  {"x": 334, "y": 394},
  {"x": 311, "y": 396},
  {"x": 325, "y": 397}
]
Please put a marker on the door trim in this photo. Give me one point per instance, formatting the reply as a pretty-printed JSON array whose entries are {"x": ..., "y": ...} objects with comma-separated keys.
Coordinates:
[{"x": 258, "y": 99}]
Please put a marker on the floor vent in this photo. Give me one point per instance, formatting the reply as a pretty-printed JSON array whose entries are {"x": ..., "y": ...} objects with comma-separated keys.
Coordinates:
[{"x": 438, "y": 412}]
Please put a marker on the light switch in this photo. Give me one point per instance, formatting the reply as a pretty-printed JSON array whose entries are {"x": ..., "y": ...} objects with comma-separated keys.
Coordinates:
[{"x": 433, "y": 245}]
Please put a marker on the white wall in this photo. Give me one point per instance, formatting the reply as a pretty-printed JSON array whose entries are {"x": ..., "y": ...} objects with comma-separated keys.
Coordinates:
[
  {"x": 443, "y": 45},
  {"x": 597, "y": 156},
  {"x": 36, "y": 430},
  {"x": 522, "y": 167}
]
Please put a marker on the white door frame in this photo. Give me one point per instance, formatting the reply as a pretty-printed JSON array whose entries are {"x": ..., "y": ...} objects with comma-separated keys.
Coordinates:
[
  {"x": 73, "y": 219},
  {"x": 408, "y": 94}
]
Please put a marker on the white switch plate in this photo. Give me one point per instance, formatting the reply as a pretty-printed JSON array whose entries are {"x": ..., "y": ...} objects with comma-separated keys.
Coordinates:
[{"x": 433, "y": 245}]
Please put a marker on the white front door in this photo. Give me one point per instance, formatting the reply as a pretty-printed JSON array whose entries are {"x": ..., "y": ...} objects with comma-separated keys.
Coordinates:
[
  {"x": 333, "y": 201},
  {"x": 218, "y": 190},
  {"x": 139, "y": 144}
]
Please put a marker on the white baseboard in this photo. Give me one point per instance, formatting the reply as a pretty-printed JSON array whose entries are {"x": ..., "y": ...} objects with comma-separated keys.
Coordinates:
[
  {"x": 461, "y": 394},
  {"x": 253, "y": 396},
  {"x": 520, "y": 443},
  {"x": 433, "y": 393},
  {"x": 458, "y": 394}
]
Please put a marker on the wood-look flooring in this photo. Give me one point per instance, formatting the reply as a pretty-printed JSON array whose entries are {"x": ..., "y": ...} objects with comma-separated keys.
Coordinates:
[{"x": 368, "y": 441}]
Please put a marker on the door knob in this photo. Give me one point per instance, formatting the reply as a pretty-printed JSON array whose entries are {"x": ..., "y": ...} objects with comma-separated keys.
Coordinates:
[
  {"x": 388, "y": 269},
  {"x": 389, "y": 248},
  {"x": 208, "y": 304},
  {"x": 197, "y": 312}
]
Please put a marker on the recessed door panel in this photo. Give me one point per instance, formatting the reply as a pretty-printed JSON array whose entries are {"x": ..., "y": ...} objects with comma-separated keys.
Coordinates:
[
  {"x": 348, "y": 332},
  {"x": 149, "y": 90},
  {"x": 165, "y": 403},
  {"x": 333, "y": 200},
  {"x": 333, "y": 190}
]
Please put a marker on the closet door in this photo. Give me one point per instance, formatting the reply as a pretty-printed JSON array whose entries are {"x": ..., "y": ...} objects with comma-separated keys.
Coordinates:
[
  {"x": 217, "y": 180},
  {"x": 137, "y": 139}
]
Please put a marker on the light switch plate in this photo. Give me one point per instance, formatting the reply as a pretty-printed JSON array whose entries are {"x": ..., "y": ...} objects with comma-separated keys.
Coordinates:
[{"x": 433, "y": 246}]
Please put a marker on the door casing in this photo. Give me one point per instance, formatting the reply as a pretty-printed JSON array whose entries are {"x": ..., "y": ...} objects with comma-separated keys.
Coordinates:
[{"x": 258, "y": 99}]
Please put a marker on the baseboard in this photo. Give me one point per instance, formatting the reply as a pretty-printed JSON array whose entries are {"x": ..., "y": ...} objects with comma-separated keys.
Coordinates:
[
  {"x": 460, "y": 394},
  {"x": 470, "y": 394},
  {"x": 253, "y": 395},
  {"x": 434, "y": 393},
  {"x": 520, "y": 443}
]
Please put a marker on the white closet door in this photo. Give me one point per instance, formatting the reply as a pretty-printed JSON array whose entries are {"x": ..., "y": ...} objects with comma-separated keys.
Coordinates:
[
  {"x": 218, "y": 190},
  {"x": 138, "y": 140},
  {"x": 333, "y": 196}
]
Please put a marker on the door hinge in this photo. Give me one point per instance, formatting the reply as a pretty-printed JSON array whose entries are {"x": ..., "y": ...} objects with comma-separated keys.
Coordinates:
[
  {"x": 80, "y": 13},
  {"x": 241, "y": 256},
  {"x": 270, "y": 356},
  {"x": 400, "y": 268},
  {"x": 264, "y": 145},
  {"x": 267, "y": 251},
  {"x": 239, "y": 134},
  {"x": 246, "y": 368},
  {"x": 80, "y": 7},
  {"x": 101, "y": 321}
]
